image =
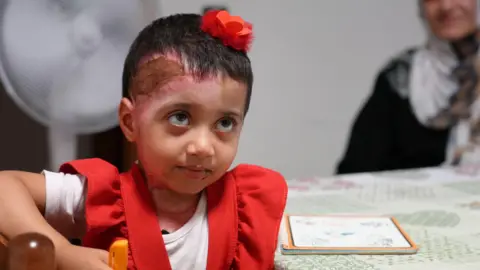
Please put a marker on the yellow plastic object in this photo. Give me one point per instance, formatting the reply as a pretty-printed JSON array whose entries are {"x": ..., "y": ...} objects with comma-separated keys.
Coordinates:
[{"x": 118, "y": 257}]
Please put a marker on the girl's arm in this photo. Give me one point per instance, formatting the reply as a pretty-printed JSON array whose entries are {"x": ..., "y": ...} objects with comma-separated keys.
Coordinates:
[{"x": 22, "y": 205}]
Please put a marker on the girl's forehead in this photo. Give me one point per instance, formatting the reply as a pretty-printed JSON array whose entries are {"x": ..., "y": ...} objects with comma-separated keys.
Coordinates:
[
  {"x": 164, "y": 79},
  {"x": 158, "y": 72},
  {"x": 153, "y": 74},
  {"x": 210, "y": 94}
]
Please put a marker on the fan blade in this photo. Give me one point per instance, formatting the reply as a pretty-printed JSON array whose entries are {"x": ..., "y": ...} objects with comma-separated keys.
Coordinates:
[
  {"x": 91, "y": 88},
  {"x": 35, "y": 47},
  {"x": 64, "y": 58}
]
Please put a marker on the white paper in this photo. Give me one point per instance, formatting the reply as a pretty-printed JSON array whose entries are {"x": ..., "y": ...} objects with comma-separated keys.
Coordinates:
[{"x": 346, "y": 232}]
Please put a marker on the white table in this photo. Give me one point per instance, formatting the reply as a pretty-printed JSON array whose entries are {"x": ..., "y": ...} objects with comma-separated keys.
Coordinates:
[{"x": 438, "y": 207}]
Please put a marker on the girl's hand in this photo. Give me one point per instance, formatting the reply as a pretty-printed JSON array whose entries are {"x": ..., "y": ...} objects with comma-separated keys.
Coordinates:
[{"x": 70, "y": 257}]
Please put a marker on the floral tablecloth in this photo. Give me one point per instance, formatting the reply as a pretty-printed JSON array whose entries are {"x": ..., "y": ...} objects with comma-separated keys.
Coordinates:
[{"x": 438, "y": 207}]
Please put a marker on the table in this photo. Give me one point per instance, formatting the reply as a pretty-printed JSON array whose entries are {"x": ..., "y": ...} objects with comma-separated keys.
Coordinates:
[{"x": 438, "y": 207}]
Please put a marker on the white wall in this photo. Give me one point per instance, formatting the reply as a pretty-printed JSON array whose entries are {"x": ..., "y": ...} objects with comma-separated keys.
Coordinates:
[{"x": 314, "y": 63}]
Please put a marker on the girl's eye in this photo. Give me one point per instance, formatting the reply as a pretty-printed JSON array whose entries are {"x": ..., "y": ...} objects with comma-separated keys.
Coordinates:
[
  {"x": 225, "y": 125},
  {"x": 179, "y": 119}
]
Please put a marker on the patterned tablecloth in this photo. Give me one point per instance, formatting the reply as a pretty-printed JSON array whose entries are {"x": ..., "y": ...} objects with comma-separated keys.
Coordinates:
[{"x": 438, "y": 207}]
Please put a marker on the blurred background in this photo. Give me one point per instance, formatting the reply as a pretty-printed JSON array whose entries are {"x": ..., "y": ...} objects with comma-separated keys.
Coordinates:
[{"x": 314, "y": 63}]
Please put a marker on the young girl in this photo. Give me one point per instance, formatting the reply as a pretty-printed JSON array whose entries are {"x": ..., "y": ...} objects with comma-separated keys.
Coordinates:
[{"x": 187, "y": 84}]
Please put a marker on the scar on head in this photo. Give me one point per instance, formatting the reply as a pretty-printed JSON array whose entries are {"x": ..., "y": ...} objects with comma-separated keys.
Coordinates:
[{"x": 154, "y": 72}]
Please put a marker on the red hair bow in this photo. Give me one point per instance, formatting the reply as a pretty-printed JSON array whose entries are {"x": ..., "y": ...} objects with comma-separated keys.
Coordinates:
[{"x": 232, "y": 30}]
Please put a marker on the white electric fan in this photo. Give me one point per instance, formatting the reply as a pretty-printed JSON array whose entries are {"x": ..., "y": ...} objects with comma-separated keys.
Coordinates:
[{"x": 61, "y": 61}]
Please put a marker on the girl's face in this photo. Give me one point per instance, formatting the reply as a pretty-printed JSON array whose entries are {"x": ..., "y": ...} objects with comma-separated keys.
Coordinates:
[
  {"x": 187, "y": 131},
  {"x": 451, "y": 19}
]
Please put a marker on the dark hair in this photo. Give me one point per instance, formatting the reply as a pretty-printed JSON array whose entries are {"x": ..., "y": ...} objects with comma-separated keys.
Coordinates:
[{"x": 205, "y": 55}]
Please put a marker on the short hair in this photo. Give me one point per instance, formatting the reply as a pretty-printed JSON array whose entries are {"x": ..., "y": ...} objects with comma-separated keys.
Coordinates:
[{"x": 204, "y": 55}]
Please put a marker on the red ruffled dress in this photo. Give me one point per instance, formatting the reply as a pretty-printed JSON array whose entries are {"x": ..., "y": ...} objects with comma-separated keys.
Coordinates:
[{"x": 244, "y": 211}]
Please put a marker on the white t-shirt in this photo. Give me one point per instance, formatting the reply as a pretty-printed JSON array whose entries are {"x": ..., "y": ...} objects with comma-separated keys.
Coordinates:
[{"x": 187, "y": 247}]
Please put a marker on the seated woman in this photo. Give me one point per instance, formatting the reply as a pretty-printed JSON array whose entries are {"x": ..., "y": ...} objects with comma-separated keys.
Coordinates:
[{"x": 423, "y": 109}]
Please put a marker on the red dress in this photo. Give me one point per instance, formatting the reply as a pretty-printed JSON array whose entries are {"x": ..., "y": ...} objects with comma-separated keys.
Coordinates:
[{"x": 244, "y": 211}]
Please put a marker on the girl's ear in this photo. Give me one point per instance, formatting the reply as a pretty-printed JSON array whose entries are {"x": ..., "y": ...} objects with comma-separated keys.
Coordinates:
[{"x": 125, "y": 118}]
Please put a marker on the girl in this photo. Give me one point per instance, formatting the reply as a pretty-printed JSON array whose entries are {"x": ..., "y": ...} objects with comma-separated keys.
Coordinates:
[{"x": 187, "y": 84}]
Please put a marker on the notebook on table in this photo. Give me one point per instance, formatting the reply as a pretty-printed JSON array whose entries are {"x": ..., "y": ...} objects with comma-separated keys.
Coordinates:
[{"x": 345, "y": 235}]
